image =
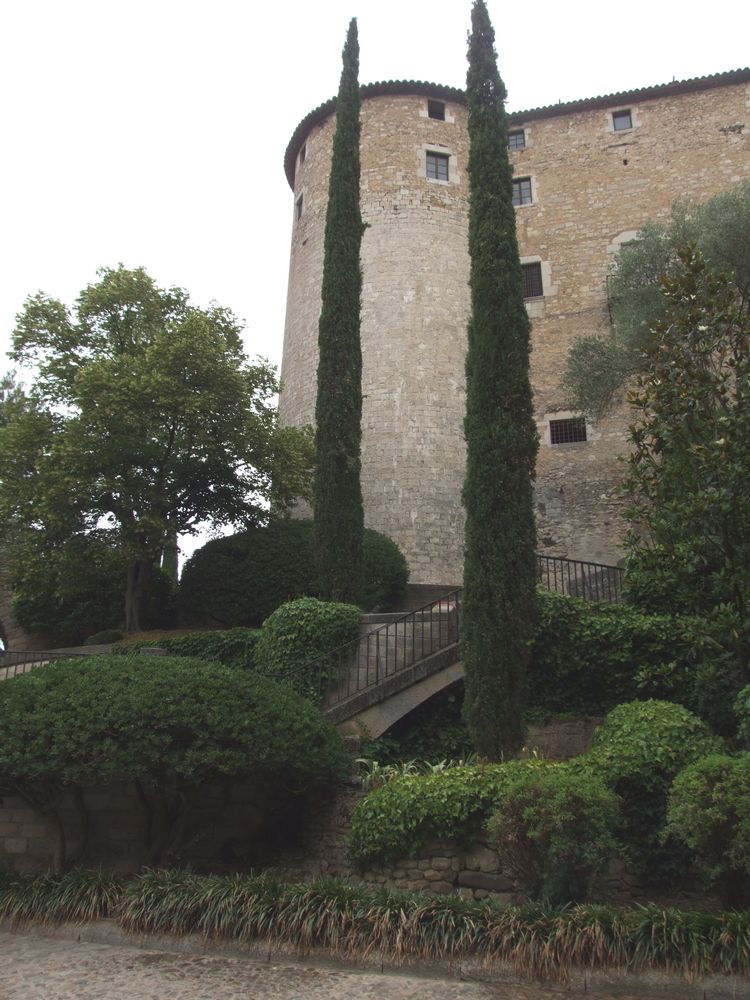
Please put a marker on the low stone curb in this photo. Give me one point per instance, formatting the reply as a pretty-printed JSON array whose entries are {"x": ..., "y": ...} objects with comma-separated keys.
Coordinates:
[{"x": 648, "y": 985}]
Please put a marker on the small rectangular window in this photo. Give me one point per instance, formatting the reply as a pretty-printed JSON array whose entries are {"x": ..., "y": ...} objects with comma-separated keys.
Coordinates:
[
  {"x": 298, "y": 207},
  {"x": 437, "y": 166},
  {"x": 522, "y": 191},
  {"x": 436, "y": 110},
  {"x": 517, "y": 139},
  {"x": 567, "y": 431},
  {"x": 622, "y": 120},
  {"x": 532, "y": 280}
]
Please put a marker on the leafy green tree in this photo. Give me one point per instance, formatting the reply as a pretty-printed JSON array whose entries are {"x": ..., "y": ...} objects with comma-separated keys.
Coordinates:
[
  {"x": 599, "y": 367},
  {"x": 500, "y": 567},
  {"x": 688, "y": 480},
  {"x": 170, "y": 725},
  {"x": 339, "y": 516},
  {"x": 145, "y": 420}
]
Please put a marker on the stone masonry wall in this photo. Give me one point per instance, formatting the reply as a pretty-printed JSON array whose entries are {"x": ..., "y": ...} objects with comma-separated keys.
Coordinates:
[{"x": 593, "y": 189}]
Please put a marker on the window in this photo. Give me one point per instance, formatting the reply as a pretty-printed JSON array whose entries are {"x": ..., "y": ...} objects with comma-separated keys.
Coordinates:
[
  {"x": 303, "y": 154},
  {"x": 522, "y": 191},
  {"x": 567, "y": 431},
  {"x": 298, "y": 208},
  {"x": 532, "y": 280},
  {"x": 622, "y": 120},
  {"x": 436, "y": 110},
  {"x": 517, "y": 139},
  {"x": 437, "y": 166}
]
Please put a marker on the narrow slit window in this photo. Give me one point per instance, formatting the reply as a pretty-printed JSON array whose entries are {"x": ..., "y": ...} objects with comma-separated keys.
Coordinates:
[
  {"x": 568, "y": 431},
  {"x": 437, "y": 166},
  {"x": 517, "y": 139},
  {"x": 522, "y": 191},
  {"x": 532, "y": 280},
  {"x": 298, "y": 207},
  {"x": 303, "y": 154}
]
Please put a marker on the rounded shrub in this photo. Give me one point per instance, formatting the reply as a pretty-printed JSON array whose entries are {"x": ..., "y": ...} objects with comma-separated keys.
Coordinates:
[
  {"x": 638, "y": 750},
  {"x": 554, "y": 831},
  {"x": 399, "y": 818},
  {"x": 295, "y": 639},
  {"x": 108, "y": 635},
  {"x": 169, "y": 724},
  {"x": 234, "y": 647},
  {"x": 241, "y": 579},
  {"x": 709, "y": 811}
]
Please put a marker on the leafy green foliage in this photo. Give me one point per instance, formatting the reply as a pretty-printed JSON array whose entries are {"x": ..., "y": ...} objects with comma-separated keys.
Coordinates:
[
  {"x": 169, "y": 724},
  {"x": 145, "y": 421},
  {"x": 598, "y": 367},
  {"x": 638, "y": 751},
  {"x": 498, "y": 604},
  {"x": 351, "y": 920},
  {"x": 709, "y": 811},
  {"x": 339, "y": 515},
  {"x": 554, "y": 831},
  {"x": 295, "y": 638},
  {"x": 400, "y": 817},
  {"x": 104, "y": 637},
  {"x": 241, "y": 579},
  {"x": 234, "y": 647},
  {"x": 434, "y": 731}
]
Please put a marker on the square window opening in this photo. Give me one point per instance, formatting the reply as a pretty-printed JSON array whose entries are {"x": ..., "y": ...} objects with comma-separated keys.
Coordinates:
[
  {"x": 532, "y": 280},
  {"x": 568, "y": 431},
  {"x": 517, "y": 139},
  {"x": 437, "y": 166},
  {"x": 522, "y": 191},
  {"x": 298, "y": 207},
  {"x": 436, "y": 110},
  {"x": 622, "y": 120}
]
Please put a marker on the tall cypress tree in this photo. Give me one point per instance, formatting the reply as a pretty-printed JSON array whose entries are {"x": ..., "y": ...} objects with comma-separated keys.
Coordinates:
[
  {"x": 500, "y": 564},
  {"x": 339, "y": 518}
]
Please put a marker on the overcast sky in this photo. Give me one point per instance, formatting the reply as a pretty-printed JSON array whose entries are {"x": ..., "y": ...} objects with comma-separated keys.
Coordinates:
[{"x": 153, "y": 133}]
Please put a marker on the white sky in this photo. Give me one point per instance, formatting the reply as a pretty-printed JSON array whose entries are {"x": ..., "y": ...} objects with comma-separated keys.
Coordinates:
[{"x": 153, "y": 133}]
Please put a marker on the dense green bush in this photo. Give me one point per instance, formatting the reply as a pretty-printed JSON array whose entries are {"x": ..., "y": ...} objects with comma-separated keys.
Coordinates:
[
  {"x": 102, "y": 638},
  {"x": 169, "y": 724},
  {"x": 709, "y": 811},
  {"x": 295, "y": 638},
  {"x": 742, "y": 711},
  {"x": 400, "y": 817},
  {"x": 638, "y": 750},
  {"x": 234, "y": 647},
  {"x": 241, "y": 579},
  {"x": 554, "y": 831}
]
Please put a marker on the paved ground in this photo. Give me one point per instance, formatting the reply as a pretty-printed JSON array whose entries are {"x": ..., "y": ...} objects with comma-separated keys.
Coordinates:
[{"x": 33, "y": 968}]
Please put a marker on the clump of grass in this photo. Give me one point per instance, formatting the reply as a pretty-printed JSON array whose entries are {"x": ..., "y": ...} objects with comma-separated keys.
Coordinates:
[
  {"x": 77, "y": 895},
  {"x": 353, "y": 921}
]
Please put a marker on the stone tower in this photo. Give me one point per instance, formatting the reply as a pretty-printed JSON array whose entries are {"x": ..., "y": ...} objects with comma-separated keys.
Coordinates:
[{"x": 589, "y": 174}]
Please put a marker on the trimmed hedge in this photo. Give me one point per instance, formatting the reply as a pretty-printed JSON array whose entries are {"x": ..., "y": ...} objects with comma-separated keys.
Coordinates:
[
  {"x": 234, "y": 647},
  {"x": 241, "y": 579},
  {"x": 296, "y": 636},
  {"x": 399, "y": 818}
]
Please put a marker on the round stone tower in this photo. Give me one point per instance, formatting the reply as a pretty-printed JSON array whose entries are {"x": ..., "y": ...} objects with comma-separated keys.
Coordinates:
[{"x": 415, "y": 300}]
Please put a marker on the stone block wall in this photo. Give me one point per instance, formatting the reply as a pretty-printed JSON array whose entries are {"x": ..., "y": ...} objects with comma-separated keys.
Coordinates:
[{"x": 593, "y": 188}]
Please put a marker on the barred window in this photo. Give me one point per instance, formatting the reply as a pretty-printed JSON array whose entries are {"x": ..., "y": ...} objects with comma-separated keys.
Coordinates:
[
  {"x": 437, "y": 166},
  {"x": 517, "y": 139},
  {"x": 532, "y": 280},
  {"x": 567, "y": 431},
  {"x": 522, "y": 191}
]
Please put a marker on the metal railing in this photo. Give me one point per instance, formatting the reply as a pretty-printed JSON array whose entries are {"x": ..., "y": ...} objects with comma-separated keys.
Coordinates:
[
  {"x": 367, "y": 662},
  {"x": 12, "y": 663},
  {"x": 589, "y": 580}
]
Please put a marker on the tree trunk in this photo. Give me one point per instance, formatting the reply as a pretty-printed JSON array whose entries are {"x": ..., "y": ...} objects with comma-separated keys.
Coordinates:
[{"x": 139, "y": 576}]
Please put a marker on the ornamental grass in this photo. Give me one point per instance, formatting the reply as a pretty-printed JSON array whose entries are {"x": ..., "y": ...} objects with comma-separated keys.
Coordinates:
[{"x": 354, "y": 922}]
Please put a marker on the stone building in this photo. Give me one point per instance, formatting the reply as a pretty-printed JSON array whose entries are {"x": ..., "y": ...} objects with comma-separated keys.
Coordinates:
[{"x": 588, "y": 175}]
